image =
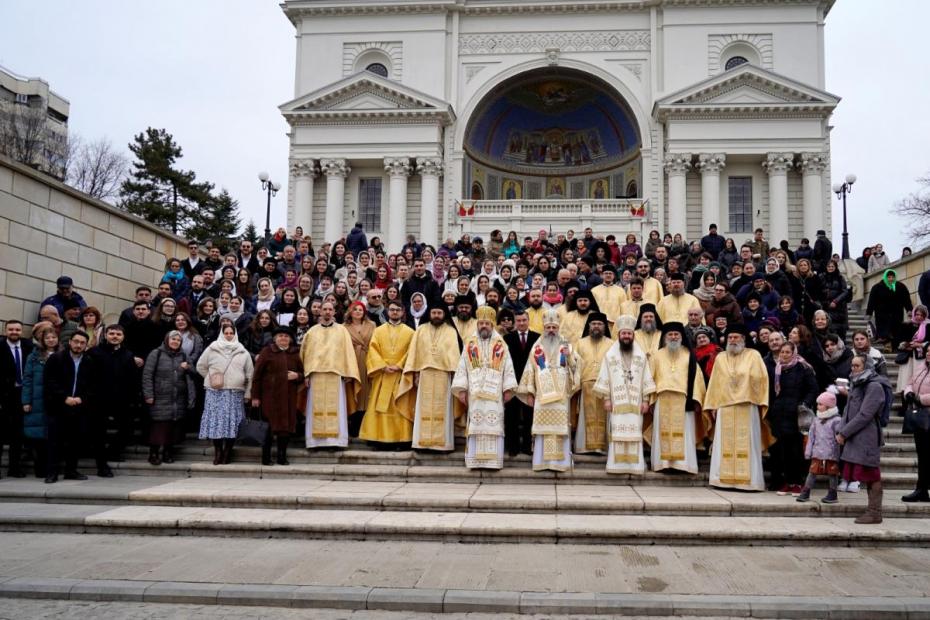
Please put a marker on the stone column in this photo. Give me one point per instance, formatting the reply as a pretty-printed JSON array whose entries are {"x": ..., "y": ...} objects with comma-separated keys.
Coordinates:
[
  {"x": 777, "y": 165},
  {"x": 336, "y": 171},
  {"x": 812, "y": 166},
  {"x": 398, "y": 168},
  {"x": 710, "y": 165},
  {"x": 303, "y": 171},
  {"x": 676, "y": 167},
  {"x": 430, "y": 169}
]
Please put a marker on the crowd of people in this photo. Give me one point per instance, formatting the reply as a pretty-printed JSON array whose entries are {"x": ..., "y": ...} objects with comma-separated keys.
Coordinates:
[{"x": 654, "y": 351}]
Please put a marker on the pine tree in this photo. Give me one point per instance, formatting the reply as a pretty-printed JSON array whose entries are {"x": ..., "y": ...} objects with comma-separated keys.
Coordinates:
[
  {"x": 250, "y": 233},
  {"x": 157, "y": 189},
  {"x": 218, "y": 220}
]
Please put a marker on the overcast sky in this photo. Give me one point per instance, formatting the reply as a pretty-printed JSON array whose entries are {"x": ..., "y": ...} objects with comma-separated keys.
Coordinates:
[{"x": 212, "y": 72}]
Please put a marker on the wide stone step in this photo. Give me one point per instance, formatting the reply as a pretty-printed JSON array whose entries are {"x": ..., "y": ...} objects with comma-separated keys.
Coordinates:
[
  {"x": 445, "y": 526},
  {"x": 438, "y": 497},
  {"x": 514, "y": 474}
]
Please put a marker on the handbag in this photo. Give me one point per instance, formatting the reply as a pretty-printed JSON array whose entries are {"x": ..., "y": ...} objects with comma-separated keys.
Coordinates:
[
  {"x": 218, "y": 379},
  {"x": 902, "y": 358},
  {"x": 252, "y": 432},
  {"x": 916, "y": 418},
  {"x": 805, "y": 418}
]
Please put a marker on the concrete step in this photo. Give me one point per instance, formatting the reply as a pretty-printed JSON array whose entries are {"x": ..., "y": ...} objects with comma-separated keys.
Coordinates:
[
  {"x": 301, "y": 494},
  {"x": 460, "y": 526}
]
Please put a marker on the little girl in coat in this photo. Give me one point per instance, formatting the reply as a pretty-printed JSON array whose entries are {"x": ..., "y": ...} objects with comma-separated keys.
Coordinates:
[{"x": 822, "y": 449}]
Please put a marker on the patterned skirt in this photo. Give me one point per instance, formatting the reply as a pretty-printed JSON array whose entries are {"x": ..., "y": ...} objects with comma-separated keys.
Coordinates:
[{"x": 222, "y": 412}]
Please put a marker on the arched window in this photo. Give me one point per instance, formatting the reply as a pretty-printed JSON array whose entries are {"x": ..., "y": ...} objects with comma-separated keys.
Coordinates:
[
  {"x": 632, "y": 189},
  {"x": 734, "y": 62},
  {"x": 378, "y": 69}
]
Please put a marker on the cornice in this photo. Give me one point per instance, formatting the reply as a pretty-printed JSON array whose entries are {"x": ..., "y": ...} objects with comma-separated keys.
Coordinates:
[
  {"x": 740, "y": 111},
  {"x": 355, "y": 117}
]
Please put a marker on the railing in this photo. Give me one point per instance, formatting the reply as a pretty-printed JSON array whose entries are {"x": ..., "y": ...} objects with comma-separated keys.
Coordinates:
[{"x": 519, "y": 209}]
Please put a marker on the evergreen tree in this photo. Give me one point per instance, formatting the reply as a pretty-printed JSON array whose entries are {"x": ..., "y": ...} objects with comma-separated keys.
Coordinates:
[
  {"x": 157, "y": 189},
  {"x": 250, "y": 233},
  {"x": 218, "y": 220}
]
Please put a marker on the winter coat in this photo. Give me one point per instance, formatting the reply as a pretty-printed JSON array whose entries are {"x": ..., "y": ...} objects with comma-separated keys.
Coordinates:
[
  {"x": 753, "y": 321},
  {"x": 889, "y": 307},
  {"x": 823, "y": 251},
  {"x": 821, "y": 441},
  {"x": 278, "y": 395},
  {"x": 357, "y": 241},
  {"x": 651, "y": 245},
  {"x": 60, "y": 383},
  {"x": 798, "y": 386},
  {"x": 238, "y": 368},
  {"x": 860, "y": 424},
  {"x": 878, "y": 261},
  {"x": 495, "y": 248},
  {"x": 169, "y": 385},
  {"x": 727, "y": 306},
  {"x": 779, "y": 282},
  {"x": 809, "y": 297},
  {"x": 34, "y": 422},
  {"x": 117, "y": 376},
  {"x": 835, "y": 290},
  {"x": 727, "y": 258},
  {"x": 919, "y": 385}
]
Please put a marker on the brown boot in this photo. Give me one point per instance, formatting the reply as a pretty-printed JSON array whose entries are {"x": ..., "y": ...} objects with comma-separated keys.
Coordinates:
[
  {"x": 217, "y": 451},
  {"x": 873, "y": 514}
]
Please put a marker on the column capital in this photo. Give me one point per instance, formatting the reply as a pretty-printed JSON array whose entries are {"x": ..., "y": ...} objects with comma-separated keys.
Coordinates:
[
  {"x": 677, "y": 163},
  {"x": 429, "y": 166},
  {"x": 778, "y": 163},
  {"x": 813, "y": 163},
  {"x": 398, "y": 166},
  {"x": 303, "y": 168},
  {"x": 335, "y": 167},
  {"x": 711, "y": 163}
]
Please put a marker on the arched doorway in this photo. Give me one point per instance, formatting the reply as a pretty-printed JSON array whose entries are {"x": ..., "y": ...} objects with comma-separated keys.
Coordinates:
[{"x": 552, "y": 133}]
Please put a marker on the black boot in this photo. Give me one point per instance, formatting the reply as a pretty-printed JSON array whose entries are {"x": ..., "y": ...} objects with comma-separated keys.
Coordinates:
[
  {"x": 154, "y": 457},
  {"x": 917, "y": 495},
  {"x": 217, "y": 451},
  {"x": 167, "y": 455},
  {"x": 282, "y": 450},
  {"x": 227, "y": 451},
  {"x": 266, "y": 452}
]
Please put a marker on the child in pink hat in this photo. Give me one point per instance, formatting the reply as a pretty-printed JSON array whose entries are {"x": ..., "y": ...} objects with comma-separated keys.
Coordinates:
[{"x": 822, "y": 449}]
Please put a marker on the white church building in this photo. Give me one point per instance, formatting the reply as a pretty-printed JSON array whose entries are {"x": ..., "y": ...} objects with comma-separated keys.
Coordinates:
[{"x": 438, "y": 117}]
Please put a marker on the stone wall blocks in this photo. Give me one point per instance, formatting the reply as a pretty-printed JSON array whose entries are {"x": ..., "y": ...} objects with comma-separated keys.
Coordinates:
[
  {"x": 47, "y": 221},
  {"x": 31, "y": 190},
  {"x": 27, "y": 238},
  {"x": 6, "y": 180},
  {"x": 41, "y": 266},
  {"x": 65, "y": 204},
  {"x": 12, "y": 259},
  {"x": 98, "y": 218},
  {"x": 4, "y": 230},
  {"x": 131, "y": 251},
  {"x": 10, "y": 306},
  {"x": 143, "y": 235},
  {"x": 105, "y": 242},
  {"x": 14, "y": 208},
  {"x": 153, "y": 260},
  {"x": 118, "y": 267},
  {"x": 92, "y": 259},
  {"x": 62, "y": 249},
  {"x": 104, "y": 283},
  {"x": 120, "y": 227},
  {"x": 2, "y": 283},
  {"x": 144, "y": 275},
  {"x": 82, "y": 277},
  {"x": 24, "y": 287},
  {"x": 79, "y": 232}
]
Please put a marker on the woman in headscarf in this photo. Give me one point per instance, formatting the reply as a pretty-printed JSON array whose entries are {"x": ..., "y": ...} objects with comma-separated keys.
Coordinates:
[
  {"x": 418, "y": 309},
  {"x": 168, "y": 390},
  {"x": 795, "y": 385},
  {"x": 705, "y": 292},
  {"x": 360, "y": 329},
  {"x": 227, "y": 370},
  {"x": 776, "y": 277},
  {"x": 888, "y": 301},
  {"x": 265, "y": 297}
]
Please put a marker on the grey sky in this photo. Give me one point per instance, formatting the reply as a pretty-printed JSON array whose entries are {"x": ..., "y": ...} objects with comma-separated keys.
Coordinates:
[{"x": 212, "y": 72}]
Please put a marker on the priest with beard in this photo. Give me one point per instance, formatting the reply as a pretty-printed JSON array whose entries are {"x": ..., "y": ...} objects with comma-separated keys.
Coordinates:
[
  {"x": 609, "y": 295},
  {"x": 648, "y": 329},
  {"x": 464, "y": 321},
  {"x": 431, "y": 362},
  {"x": 591, "y": 423},
  {"x": 625, "y": 383},
  {"x": 484, "y": 381},
  {"x": 677, "y": 424},
  {"x": 737, "y": 398},
  {"x": 550, "y": 379},
  {"x": 578, "y": 308}
]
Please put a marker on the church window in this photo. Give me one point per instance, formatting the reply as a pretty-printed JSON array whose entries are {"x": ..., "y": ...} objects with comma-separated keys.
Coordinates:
[
  {"x": 740, "y": 204},
  {"x": 378, "y": 69},
  {"x": 734, "y": 62},
  {"x": 369, "y": 203}
]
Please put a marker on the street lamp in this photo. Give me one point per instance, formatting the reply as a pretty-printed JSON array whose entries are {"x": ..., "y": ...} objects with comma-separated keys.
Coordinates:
[
  {"x": 841, "y": 189},
  {"x": 271, "y": 188}
]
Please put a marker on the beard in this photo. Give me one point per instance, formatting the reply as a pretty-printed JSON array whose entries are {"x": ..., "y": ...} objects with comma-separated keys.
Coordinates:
[
  {"x": 536, "y": 304},
  {"x": 485, "y": 333},
  {"x": 437, "y": 322},
  {"x": 626, "y": 345},
  {"x": 464, "y": 316},
  {"x": 596, "y": 335},
  {"x": 585, "y": 311},
  {"x": 735, "y": 349},
  {"x": 551, "y": 344},
  {"x": 674, "y": 346},
  {"x": 649, "y": 326}
]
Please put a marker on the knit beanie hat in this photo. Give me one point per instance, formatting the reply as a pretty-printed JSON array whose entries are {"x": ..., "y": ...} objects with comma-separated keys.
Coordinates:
[{"x": 827, "y": 399}]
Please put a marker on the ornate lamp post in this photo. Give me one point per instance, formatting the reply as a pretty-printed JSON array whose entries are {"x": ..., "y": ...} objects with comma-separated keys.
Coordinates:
[
  {"x": 841, "y": 189},
  {"x": 271, "y": 188}
]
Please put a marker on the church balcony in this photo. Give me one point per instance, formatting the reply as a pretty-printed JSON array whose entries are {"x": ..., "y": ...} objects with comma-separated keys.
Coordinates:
[{"x": 617, "y": 216}]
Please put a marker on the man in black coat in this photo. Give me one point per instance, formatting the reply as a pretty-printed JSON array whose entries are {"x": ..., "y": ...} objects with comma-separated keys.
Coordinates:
[
  {"x": 69, "y": 397},
  {"x": 823, "y": 250},
  {"x": 420, "y": 282},
  {"x": 14, "y": 350},
  {"x": 518, "y": 418},
  {"x": 246, "y": 258},
  {"x": 117, "y": 376}
]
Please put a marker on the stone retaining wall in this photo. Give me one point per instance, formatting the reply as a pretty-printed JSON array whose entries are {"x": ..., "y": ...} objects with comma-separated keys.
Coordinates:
[{"x": 48, "y": 229}]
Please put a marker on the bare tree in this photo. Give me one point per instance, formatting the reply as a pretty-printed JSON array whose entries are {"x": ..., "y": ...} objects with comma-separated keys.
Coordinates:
[
  {"x": 23, "y": 134},
  {"x": 915, "y": 208},
  {"x": 96, "y": 168}
]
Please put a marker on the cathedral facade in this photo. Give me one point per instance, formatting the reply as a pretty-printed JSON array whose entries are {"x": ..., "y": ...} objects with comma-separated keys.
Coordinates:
[{"x": 438, "y": 117}]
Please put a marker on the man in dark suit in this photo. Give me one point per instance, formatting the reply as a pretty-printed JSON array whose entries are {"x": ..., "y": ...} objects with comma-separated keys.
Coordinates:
[
  {"x": 69, "y": 395},
  {"x": 518, "y": 418},
  {"x": 246, "y": 258},
  {"x": 193, "y": 264},
  {"x": 14, "y": 350}
]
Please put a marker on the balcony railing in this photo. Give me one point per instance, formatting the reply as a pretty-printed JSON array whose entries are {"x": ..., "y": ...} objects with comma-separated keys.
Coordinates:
[{"x": 519, "y": 209}]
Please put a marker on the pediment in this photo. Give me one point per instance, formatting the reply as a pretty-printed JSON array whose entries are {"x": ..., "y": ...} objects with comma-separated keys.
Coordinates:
[
  {"x": 748, "y": 87},
  {"x": 365, "y": 93}
]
